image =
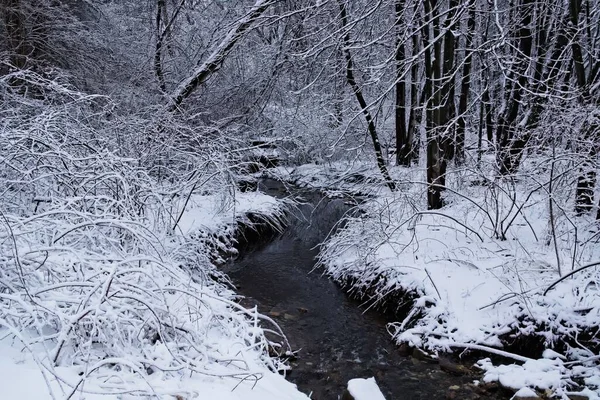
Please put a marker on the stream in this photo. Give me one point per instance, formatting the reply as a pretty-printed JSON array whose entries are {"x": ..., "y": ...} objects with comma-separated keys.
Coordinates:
[{"x": 336, "y": 339}]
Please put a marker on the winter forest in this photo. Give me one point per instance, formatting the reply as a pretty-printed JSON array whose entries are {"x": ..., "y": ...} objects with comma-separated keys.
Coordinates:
[{"x": 294, "y": 199}]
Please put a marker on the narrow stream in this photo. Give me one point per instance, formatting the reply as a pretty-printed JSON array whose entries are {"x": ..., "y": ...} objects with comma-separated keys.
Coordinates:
[{"x": 336, "y": 340}]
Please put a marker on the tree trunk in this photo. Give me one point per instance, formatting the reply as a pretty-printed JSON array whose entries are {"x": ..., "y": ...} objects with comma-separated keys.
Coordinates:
[
  {"x": 586, "y": 182},
  {"x": 510, "y": 147},
  {"x": 403, "y": 140},
  {"x": 489, "y": 121},
  {"x": 361, "y": 100},
  {"x": 584, "y": 193},
  {"x": 574, "y": 8},
  {"x": 158, "y": 70},
  {"x": 448, "y": 89},
  {"x": 162, "y": 35},
  {"x": 465, "y": 86},
  {"x": 416, "y": 107},
  {"x": 435, "y": 163},
  {"x": 17, "y": 39},
  {"x": 479, "y": 134}
]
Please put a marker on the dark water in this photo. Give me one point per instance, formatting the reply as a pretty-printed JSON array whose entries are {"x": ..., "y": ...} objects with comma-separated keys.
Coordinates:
[{"x": 335, "y": 339}]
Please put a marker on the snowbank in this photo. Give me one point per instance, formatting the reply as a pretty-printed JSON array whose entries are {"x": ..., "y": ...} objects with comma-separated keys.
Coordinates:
[
  {"x": 107, "y": 280},
  {"x": 477, "y": 272},
  {"x": 215, "y": 213},
  {"x": 125, "y": 324},
  {"x": 21, "y": 378}
]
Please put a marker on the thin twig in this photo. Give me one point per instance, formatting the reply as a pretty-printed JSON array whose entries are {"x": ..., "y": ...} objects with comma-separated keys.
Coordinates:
[{"x": 570, "y": 274}]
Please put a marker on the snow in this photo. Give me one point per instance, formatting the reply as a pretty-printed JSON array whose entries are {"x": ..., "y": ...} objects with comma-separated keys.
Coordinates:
[
  {"x": 21, "y": 378},
  {"x": 108, "y": 283},
  {"x": 525, "y": 392},
  {"x": 364, "y": 389},
  {"x": 542, "y": 373},
  {"x": 211, "y": 213},
  {"x": 478, "y": 267},
  {"x": 227, "y": 359},
  {"x": 108, "y": 287}
]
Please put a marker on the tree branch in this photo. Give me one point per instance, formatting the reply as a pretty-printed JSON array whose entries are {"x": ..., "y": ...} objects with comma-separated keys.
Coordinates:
[{"x": 214, "y": 62}]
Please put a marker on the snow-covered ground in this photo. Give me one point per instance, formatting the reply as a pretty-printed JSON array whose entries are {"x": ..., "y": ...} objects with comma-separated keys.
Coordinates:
[
  {"x": 100, "y": 303},
  {"x": 22, "y": 378},
  {"x": 484, "y": 269}
]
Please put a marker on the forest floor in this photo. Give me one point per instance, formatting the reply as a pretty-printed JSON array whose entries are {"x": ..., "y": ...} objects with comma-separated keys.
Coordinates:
[{"x": 490, "y": 274}]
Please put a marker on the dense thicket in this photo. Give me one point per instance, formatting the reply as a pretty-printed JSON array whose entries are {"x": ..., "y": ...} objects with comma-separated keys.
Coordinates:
[
  {"x": 456, "y": 78},
  {"x": 437, "y": 71}
]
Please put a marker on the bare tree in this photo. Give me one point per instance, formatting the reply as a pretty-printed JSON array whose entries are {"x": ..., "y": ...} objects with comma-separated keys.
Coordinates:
[
  {"x": 465, "y": 85},
  {"x": 360, "y": 98}
]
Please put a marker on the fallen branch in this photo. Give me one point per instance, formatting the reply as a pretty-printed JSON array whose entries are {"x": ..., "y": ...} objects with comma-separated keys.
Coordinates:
[
  {"x": 498, "y": 352},
  {"x": 570, "y": 274},
  {"x": 453, "y": 219}
]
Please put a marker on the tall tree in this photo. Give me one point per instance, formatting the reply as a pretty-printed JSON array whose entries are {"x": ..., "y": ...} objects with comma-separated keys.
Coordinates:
[
  {"x": 416, "y": 109},
  {"x": 465, "y": 85},
  {"x": 360, "y": 98},
  {"x": 510, "y": 143},
  {"x": 447, "y": 104},
  {"x": 590, "y": 135},
  {"x": 164, "y": 24},
  {"x": 403, "y": 139},
  {"x": 436, "y": 165}
]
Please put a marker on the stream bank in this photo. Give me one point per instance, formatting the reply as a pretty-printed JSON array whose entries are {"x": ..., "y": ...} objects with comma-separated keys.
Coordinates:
[{"x": 335, "y": 339}]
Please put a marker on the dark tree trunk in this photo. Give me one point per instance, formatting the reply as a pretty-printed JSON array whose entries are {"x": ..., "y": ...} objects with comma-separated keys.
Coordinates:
[
  {"x": 416, "y": 106},
  {"x": 574, "y": 9},
  {"x": 465, "y": 86},
  {"x": 486, "y": 104},
  {"x": 489, "y": 121},
  {"x": 448, "y": 89},
  {"x": 414, "y": 116},
  {"x": 436, "y": 166},
  {"x": 480, "y": 133},
  {"x": 162, "y": 36},
  {"x": 19, "y": 44},
  {"x": 545, "y": 78},
  {"x": 403, "y": 140},
  {"x": 158, "y": 70},
  {"x": 510, "y": 146},
  {"x": 586, "y": 182},
  {"x": 361, "y": 100},
  {"x": 584, "y": 193}
]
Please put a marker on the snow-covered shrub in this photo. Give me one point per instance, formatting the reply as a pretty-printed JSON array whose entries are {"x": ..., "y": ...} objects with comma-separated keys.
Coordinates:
[{"x": 94, "y": 272}]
